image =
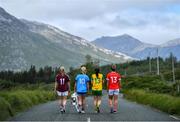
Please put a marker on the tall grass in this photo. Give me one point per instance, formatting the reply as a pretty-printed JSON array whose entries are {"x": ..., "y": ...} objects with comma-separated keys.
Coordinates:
[
  {"x": 13, "y": 102},
  {"x": 162, "y": 102}
]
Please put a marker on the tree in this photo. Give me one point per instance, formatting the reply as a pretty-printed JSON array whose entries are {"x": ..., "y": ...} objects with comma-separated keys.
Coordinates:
[
  {"x": 32, "y": 74},
  {"x": 88, "y": 58}
]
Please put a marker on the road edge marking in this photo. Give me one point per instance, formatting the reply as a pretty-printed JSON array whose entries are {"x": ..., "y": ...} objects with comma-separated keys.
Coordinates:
[
  {"x": 174, "y": 117},
  {"x": 88, "y": 119}
]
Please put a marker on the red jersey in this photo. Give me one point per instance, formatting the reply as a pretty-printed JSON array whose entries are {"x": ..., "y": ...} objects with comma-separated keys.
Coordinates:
[
  {"x": 62, "y": 81},
  {"x": 113, "y": 79}
]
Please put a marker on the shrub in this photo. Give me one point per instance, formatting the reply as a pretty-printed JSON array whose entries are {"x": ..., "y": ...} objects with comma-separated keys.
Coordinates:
[
  {"x": 151, "y": 83},
  {"x": 5, "y": 109},
  {"x": 6, "y": 84},
  {"x": 16, "y": 101},
  {"x": 163, "y": 102}
]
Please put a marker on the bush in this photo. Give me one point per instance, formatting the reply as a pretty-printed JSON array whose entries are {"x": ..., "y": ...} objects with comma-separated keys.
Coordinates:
[
  {"x": 6, "y": 84},
  {"x": 163, "y": 102},
  {"x": 5, "y": 109},
  {"x": 151, "y": 83},
  {"x": 16, "y": 101}
]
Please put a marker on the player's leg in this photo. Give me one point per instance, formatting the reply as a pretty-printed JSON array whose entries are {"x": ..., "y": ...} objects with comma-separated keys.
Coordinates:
[
  {"x": 116, "y": 93},
  {"x": 65, "y": 94},
  {"x": 79, "y": 102},
  {"x": 95, "y": 101},
  {"x": 83, "y": 103},
  {"x": 60, "y": 100},
  {"x": 98, "y": 103},
  {"x": 61, "y": 103},
  {"x": 110, "y": 93}
]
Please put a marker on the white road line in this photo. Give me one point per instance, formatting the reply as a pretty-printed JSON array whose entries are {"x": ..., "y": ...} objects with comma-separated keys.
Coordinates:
[
  {"x": 88, "y": 119},
  {"x": 174, "y": 117}
]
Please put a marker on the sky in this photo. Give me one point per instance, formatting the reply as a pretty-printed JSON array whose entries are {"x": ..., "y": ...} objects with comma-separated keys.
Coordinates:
[{"x": 150, "y": 21}]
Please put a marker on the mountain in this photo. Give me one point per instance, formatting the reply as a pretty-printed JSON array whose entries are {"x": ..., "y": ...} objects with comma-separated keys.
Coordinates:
[
  {"x": 24, "y": 43},
  {"x": 124, "y": 43},
  {"x": 137, "y": 49},
  {"x": 164, "y": 50},
  {"x": 171, "y": 43}
]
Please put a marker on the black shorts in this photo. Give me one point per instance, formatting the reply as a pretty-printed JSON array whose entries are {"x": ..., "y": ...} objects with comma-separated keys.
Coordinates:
[{"x": 81, "y": 93}]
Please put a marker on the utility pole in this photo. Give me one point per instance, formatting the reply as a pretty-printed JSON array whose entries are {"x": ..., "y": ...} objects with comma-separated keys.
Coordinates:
[
  {"x": 173, "y": 72},
  {"x": 150, "y": 62},
  {"x": 157, "y": 61},
  {"x": 173, "y": 68}
]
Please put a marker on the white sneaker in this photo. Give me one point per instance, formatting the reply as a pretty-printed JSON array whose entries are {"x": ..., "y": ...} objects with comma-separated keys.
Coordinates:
[
  {"x": 83, "y": 112},
  {"x": 61, "y": 110}
]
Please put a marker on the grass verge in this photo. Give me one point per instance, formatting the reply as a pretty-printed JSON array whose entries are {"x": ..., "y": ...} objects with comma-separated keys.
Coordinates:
[
  {"x": 13, "y": 102},
  {"x": 162, "y": 102}
]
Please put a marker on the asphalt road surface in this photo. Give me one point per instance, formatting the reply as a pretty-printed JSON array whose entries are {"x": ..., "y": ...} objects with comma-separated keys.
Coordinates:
[{"x": 127, "y": 111}]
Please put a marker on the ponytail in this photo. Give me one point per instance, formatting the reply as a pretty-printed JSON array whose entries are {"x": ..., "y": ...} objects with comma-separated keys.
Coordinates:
[{"x": 97, "y": 71}]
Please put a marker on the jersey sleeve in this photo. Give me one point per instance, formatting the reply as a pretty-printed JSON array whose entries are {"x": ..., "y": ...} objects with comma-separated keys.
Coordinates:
[
  {"x": 107, "y": 77},
  {"x": 119, "y": 77},
  {"x": 87, "y": 78},
  {"x": 68, "y": 78},
  {"x": 56, "y": 78},
  {"x": 76, "y": 79}
]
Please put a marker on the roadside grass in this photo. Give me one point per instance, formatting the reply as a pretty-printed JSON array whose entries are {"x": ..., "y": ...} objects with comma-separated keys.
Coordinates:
[
  {"x": 164, "y": 102},
  {"x": 19, "y": 100}
]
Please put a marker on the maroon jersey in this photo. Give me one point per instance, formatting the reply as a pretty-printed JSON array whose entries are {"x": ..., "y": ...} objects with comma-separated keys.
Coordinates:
[{"x": 62, "y": 81}]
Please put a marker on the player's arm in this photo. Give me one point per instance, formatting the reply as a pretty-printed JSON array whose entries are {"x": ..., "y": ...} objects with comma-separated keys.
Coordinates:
[
  {"x": 123, "y": 76},
  {"x": 55, "y": 85},
  {"x": 76, "y": 79},
  {"x": 88, "y": 82},
  {"x": 92, "y": 79},
  {"x": 102, "y": 82},
  {"x": 107, "y": 79},
  {"x": 69, "y": 84},
  {"x": 88, "y": 86},
  {"x": 120, "y": 82},
  {"x": 75, "y": 86}
]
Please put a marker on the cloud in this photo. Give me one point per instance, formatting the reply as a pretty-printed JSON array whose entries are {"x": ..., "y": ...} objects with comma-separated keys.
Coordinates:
[{"x": 153, "y": 21}]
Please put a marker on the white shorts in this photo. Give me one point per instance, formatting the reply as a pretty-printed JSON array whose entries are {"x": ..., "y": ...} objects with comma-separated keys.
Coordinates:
[
  {"x": 62, "y": 93},
  {"x": 113, "y": 92}
]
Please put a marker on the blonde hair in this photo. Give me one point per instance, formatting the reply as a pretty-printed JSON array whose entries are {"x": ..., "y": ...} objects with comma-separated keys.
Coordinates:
[
  {"x": 62, "y": 68},
  {"x": 83, "y": 69}
]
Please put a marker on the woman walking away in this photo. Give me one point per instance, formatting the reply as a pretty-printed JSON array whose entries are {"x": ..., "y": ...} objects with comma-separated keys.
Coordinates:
[
  {"x": 113, "y": 85},
  {"x": 62, "y": 87},
  {"x": 81, "y": 87},
  {"x": 97, "y": 82}
]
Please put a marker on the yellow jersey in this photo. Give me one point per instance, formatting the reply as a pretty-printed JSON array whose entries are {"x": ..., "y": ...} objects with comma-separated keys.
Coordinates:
[{"x": 97, "y": 82}]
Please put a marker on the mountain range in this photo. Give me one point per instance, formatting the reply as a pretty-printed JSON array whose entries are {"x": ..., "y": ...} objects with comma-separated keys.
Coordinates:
[
  {"x": 24, "y": 43},
  {"x": 138, "y": 49}
]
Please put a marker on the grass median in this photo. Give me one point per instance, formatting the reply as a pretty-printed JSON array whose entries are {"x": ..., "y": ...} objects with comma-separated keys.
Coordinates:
[{"x": 162, "y": 102}]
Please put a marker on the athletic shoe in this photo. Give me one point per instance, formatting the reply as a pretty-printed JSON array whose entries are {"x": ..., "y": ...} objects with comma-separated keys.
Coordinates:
[
  {"x": 111, "y": 111},
  {"x": 78, "y": 109},
  {"x": 114, "y": 111},
  {"x": 62, "y": 111},
  {"x": 95, "y": 109},
  {"x": 83, "y": 112},
  {"x": 98, "y": 110}
]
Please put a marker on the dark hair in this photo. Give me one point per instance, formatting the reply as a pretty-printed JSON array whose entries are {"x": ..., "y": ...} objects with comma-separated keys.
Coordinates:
[
  {"x": 113, "y": 67},
  {"x": 97, "y": 71}
]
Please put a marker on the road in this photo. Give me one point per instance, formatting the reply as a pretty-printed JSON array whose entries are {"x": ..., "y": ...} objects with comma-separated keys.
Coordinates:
[{"x": 127, "y": 111}]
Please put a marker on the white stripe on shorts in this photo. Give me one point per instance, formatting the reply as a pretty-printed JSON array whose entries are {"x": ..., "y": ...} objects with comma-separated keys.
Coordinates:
[{"x": 62, "y": 93}]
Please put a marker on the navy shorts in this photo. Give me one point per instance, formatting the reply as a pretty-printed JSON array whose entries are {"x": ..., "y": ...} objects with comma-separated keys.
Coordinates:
[{"x": 81, "y": 93}]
